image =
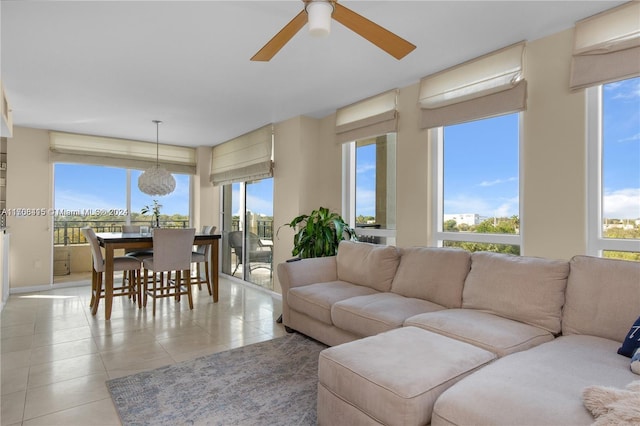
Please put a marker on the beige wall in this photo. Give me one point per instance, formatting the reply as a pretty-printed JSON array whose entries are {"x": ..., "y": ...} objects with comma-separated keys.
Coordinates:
[
  {"x": 308, "y": 175},
  {"x": 287, "y": 171},
  {"x": 205, "y": 198},
  {"x": 554, "y": 167},
  {"x": 29, "y": 185},
  {"x": 413, "y": 159}
]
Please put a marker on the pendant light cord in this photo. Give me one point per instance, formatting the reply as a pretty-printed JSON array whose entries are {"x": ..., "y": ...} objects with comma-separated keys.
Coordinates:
[{"x": 157, "y": 142}]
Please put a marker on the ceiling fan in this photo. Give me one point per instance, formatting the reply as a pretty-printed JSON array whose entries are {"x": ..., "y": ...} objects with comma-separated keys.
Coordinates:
[{"x": 319, "y": 14}]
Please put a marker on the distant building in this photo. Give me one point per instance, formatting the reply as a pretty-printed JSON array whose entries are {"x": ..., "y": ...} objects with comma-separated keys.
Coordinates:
[{"x": 470, "y": 219}]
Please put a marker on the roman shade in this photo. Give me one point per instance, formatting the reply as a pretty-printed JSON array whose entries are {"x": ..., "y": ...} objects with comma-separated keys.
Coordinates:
[
  {"x": 373, "y": 116},
  {"x": 489, "y": 85},
  {"x": 245, "y": 158},
  {"x": 606, "y": 47},
  {"x": 86, "y": 149}
]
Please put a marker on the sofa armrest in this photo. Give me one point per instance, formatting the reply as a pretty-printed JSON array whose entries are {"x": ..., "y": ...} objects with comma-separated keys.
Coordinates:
[
  {"x": 304, "y": 272},
  {"x": 307, "y": 271}
]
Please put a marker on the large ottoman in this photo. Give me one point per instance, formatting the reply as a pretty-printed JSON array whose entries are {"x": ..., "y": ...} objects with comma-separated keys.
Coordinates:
[{"x": 392, "y": 378}]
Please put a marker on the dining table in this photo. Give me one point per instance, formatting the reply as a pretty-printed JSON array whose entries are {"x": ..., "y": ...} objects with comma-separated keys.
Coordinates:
[{"x": 112, "y": 241}]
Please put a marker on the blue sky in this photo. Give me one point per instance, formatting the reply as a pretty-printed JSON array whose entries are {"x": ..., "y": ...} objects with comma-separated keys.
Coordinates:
[
  {"x": 481, "y": 170},
  {"x": 366, "y": 180},
  {"x": 87, "y": 187},
  {"x": 621, "y": 156},
  {"x": 259, "y": 197},
  {"x": 481, "y": 167}
]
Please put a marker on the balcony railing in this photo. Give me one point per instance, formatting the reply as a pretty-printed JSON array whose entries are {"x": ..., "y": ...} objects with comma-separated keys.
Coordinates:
[
  {"x": 68, "y": 232},
  {"x": 263, "y": 228}
]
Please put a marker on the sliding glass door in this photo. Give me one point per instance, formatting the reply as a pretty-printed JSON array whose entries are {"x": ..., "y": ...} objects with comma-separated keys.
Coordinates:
[{"x": 247, "y": 223}]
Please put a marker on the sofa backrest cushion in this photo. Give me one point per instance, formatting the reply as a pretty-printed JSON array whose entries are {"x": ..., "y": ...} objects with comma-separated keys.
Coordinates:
[
  {"x": 603, "y": 297},
  {"x": 526, "y": 289},
  {"x": 367, "y": 264},
  {"x": 433, "y": 274}
]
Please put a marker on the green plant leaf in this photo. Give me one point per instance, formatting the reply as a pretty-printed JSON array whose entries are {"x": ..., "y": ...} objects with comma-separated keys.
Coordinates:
[{"x": 319, "y": 233}]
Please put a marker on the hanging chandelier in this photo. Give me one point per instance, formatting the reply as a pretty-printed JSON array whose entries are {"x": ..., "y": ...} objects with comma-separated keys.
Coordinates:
[{"x": 156, "y": 180}]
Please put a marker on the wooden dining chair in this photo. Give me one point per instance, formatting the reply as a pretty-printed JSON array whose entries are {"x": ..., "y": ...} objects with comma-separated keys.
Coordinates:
[
  {"x": 172, "y": 250},
  {"x": 201, "y": 256},
  {"x": 139, "y": 254},
  {"x": 127, "y": 264}
]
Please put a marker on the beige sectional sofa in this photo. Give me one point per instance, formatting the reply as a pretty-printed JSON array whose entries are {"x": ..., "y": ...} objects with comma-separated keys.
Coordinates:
[{"x": 441, "y": 335}]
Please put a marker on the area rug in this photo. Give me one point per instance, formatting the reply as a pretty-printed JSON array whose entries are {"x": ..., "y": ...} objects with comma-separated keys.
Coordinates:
[{"x": 267, "y": 383}]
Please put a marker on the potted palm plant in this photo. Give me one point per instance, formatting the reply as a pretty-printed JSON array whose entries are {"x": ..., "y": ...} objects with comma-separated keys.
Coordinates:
[{"x": 319, "y": 233}]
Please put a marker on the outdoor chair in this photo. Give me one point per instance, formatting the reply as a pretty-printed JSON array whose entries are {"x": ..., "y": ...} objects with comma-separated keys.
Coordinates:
[{"x": 259, "y": 255}]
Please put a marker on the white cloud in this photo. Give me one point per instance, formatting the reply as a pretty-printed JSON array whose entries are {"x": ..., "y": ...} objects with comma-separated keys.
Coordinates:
[
  {"x": 508, "y": 208},
  {"x": 622, "y": 204},
  {"x": 364, "y": 168},
  {"x": 260, "y": 205},
  {"x": 497, "y": 181},
  {"x": 625, "y": 89},
  {"x": 365, "y": 202},
  {"x": 483, "y": 206},
  {"x": 73, "y": 200},
  {"x": 633, "y": 138},
  {"x": 613, "y": 86}
]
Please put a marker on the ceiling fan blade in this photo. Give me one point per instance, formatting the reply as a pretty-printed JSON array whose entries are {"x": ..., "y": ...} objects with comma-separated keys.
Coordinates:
[
  {"x": 279, "y": 40},
  {"x": 386, "y": 40}
]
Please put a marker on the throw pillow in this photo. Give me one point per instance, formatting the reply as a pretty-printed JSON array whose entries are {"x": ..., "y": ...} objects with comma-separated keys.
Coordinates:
[
  {"x": 635, "y": 362},
  {"x": 632, "y": 341}
]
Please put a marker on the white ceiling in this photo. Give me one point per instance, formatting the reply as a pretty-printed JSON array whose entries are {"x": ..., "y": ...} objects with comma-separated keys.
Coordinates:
[{"x": 111, "y": 67}]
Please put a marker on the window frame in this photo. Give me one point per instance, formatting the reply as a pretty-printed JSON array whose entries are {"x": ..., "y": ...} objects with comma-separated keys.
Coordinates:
[
  {"x": 438, "y": 236},
  {"x": 349, "y": 195},
  {"x": 596, "y": 243}
]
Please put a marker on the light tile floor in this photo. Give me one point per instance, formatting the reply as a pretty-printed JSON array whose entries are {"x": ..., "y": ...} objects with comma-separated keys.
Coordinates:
[{"x": 55, "y": 356}]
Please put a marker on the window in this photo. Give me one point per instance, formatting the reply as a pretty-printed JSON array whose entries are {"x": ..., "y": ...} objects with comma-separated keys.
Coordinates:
[
  {"x": 614, "y": 169},
  {"x": 477, "y": 178},
  {"x": 371, "y": 191},
  {"x": 117, "y": 201}
]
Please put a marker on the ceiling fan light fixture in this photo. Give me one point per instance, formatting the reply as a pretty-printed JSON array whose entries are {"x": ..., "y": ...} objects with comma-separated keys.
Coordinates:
[{"x": 319, "y": 19}]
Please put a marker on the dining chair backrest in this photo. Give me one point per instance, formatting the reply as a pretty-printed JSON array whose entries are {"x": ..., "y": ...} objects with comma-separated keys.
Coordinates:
[
  {"x": 172, "y": 249},
  {"x": 90, "y": 236},
  {"x": 131, "y": 229},
  {"x": 204, "y": 248}
]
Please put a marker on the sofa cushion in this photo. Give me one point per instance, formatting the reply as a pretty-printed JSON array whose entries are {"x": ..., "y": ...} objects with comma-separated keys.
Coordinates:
[
  {"x": 540, "y": 386},
  {"x": 395, "y": 377},
  {"x": 499, "y": 335},
  {"x": 434, "y": 274},
  {"x": 375, "y": 313},
  {"x": 315, "y": 300},
  {"x": 365, "y": 264},
  {"x": 527, "y": 289},
  {"x": 603, "y": 297}
]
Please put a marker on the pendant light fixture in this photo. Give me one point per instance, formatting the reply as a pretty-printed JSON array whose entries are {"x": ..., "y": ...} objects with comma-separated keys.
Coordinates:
[{"x": 156, "y": 180}]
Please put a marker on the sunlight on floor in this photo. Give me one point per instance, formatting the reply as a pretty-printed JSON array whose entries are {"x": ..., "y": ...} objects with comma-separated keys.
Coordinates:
[{"x": 56, "y": 356}]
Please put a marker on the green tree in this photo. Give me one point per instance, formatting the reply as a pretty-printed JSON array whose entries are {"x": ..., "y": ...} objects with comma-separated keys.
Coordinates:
[{"x": 451, "y": 226}]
